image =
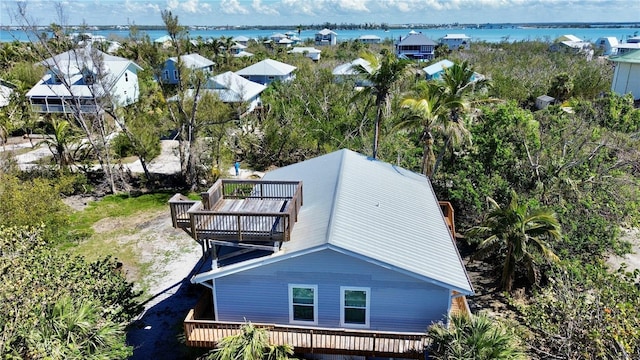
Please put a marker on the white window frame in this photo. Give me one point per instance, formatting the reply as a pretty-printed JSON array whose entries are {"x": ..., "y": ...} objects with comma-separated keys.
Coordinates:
[
  {"x": 367, "y": 306},
  {"x": 315, "y": 304},
  {"x": 175, "y": 74},
  {"x": 166, "y": 74}
]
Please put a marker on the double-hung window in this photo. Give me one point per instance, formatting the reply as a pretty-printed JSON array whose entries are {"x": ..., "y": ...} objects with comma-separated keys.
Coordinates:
[
  {"x": 354, "y": 306},
  {"x": 303, "y": 304}
]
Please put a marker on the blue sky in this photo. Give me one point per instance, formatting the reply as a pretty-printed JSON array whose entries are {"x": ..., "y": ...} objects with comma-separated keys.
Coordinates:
[{"x": 294, "y": 12}]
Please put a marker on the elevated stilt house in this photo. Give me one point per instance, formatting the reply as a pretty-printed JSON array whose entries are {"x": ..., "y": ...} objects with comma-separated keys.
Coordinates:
[{"x": 340, "y": 254}]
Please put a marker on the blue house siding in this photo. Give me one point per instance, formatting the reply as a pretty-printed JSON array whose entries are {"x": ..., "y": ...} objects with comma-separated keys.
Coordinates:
[
  {"x": 398, "y": 302},
  {"x": 168, "y": 72},
  {"x": 266, "y": 80}
]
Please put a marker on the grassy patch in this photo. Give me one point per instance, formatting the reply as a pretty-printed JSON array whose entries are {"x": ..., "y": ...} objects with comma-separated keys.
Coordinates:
[{"x": 116, "y": 206}]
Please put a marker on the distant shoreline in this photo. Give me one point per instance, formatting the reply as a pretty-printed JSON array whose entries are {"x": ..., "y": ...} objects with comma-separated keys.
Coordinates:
[{"x": 366, "y": 26}]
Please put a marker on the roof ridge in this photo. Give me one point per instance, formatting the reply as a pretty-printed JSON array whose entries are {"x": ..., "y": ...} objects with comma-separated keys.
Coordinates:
[{"x": 331, "y": 222}]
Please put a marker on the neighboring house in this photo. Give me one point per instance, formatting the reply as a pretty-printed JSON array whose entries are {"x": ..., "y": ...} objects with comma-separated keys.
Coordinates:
[
  {"x": 633, "y": 40},
  {"x": 85, "y": 80},
  {"x": 164, "y": 41},
  {"x": 632, "y": 44},
  {"x": 277, "y": 37},
  {"x": 237, "y": 48},
  {"x": 284, "y": 42},
  {"x": 570, "y": 43},
  {"x": 370, "y": 39},
  {"x": 234, "y": 89},
  {"x": 268, "y": 71},
  {"x": 348, "y": 71},
  {"x": 295, "y": 40},
  {"x": 608, "y": 45},
  {"x": 416, "y": 46},
  {"x": 310, "y": 52},
  {"x": 626, "y": 77},
  {"x": 6, "y": 89},
  {"x": 326, "y": 37},
  {"x": 363, "y": 266},
  {"x": 170, "y": 73},
  {"x": 435, "y": 71},
  {"x": 242, "y": 40},
  {"x": 625, "y": 48},
  {"x": 456, "y": 41},
  {"x": 243, "y": 54}
]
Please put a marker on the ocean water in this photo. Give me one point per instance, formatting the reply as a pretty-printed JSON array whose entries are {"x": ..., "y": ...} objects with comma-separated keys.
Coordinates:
[{"x": 497, "y": 33}]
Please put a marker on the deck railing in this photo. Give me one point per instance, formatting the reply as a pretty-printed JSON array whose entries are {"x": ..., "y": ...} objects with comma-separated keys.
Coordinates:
[
  {"x": 447, "y": 212},
  {"x": 207, "y": 333},
  {"x": 180, "y": 205},
  {"x": 205, "y": 219}
]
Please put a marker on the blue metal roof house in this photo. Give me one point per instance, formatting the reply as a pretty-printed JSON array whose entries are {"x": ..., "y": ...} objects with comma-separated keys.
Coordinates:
[{"x": 360, "y": 263}]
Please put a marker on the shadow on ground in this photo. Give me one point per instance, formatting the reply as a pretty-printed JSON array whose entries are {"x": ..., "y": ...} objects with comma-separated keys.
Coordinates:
[{"x": 158, "y": 332}]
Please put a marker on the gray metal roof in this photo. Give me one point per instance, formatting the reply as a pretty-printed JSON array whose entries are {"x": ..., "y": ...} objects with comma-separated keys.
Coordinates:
[
  {"x": 414, "y": 39},
  {"x": 349, "y": 68},
  {"x": 372, "y": 210},
  {"x": 267, "y": 67},
  {"x": 194, "y": 61}
]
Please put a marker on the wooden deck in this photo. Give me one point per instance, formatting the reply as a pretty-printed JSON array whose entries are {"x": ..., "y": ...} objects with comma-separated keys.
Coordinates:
[
  {"x": 201, "y": 330},
  {"x": 239, "y": 211},
  {"x": 206, "y": 333}
]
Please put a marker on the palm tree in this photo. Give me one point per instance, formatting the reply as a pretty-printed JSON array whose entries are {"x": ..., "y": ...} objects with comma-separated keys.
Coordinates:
[
  {"x": 477, "y": 337},
  {"x": 387, "y": 70},
  {"x": 431, "y": 111},
  {"x": 519, "y": 233},
  {"x": 74, "y": 329},
  {"x": 459, "y": 83},
  {"x": 63, "y": 143},
  {"x": 460, "y": 80},
  {"x": 251, "y": 343}
]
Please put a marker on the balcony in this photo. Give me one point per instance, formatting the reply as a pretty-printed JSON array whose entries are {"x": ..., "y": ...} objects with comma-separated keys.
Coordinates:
[
  {"x": 203, "y": 332},
  {"x": 251, "y": 212},
  {"x": 62, "y": 108}
]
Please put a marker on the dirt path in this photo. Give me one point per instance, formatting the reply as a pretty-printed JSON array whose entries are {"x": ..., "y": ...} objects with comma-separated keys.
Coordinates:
[{"x": 170, "y": 257}]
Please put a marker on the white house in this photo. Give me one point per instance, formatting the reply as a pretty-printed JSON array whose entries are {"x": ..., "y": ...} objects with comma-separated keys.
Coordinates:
[
  {"x": 277, "y": 37},
  {"x": 570, "y": 43},
  {"x": 608, "y": 45},
  {"x": 232, "y": 88},
  {"x": 164, "y": 41},
  {"x": 170, "y": 73},
  {"x": 268, "y": 71},
  {"x": 626, "y": 77},
  {"x": 310, "y": 52},
  {"x": 456, "y": 41},
  {"x": 85, "y": 80},
  {"x": 632, "y": 44},
  {"x": 326, "y": 37},
  {"x": 370, "y": 39},
  {"x": 348, "y": 71},
  {"x": 6, "y": 89},
  {"x": 243, "y": 40}
]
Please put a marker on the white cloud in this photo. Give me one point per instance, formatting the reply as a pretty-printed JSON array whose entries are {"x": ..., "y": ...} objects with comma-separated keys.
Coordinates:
[
  {"x": 353, "y": 5},
  {"x": 137, "y": 7},
  {"x": 232, "y": 7},
  {"x": 304, "y": 7},
  {"x": 188, "y": 6},
  {"x": 264, "y": 9}
]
